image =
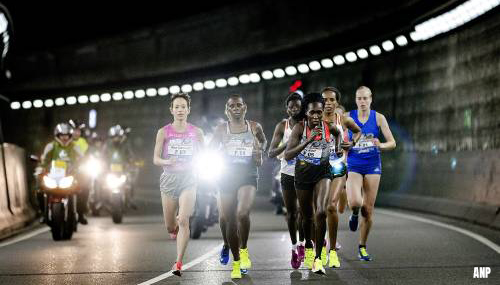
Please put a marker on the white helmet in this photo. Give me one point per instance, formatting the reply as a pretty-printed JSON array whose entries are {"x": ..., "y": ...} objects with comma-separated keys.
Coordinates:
[
  {"x": 63, "y": 129},
  {"x": 116, "y": 131}
]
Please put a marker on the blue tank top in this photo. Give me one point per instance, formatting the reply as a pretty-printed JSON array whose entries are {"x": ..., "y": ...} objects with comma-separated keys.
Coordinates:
[{"x": 364, "y": 152}]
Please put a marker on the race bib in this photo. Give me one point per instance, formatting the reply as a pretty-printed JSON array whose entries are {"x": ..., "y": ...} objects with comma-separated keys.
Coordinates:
[
  {"x": 180, "y": 147},
  {"x": 237, "y": 148},
  {"x": 58, "y": 169},
  {"x": 116, "y": 167}
]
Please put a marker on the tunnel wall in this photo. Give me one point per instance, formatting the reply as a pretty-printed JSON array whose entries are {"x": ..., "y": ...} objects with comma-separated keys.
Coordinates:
[{"x": 441, "y": 98}]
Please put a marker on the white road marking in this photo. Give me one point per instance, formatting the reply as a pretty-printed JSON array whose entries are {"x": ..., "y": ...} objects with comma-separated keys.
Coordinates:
[
  {"x": 184, "y": 266},
  {"x": 24, "y": 236},
  {"x": 477, "y": 237}
]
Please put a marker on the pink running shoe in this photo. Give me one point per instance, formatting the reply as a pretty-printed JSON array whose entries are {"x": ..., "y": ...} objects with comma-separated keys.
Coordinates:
[
  {"x": 295, "y": 262},
  {"x": 177, "y": 268},
  {"x": 301, "y": 252}
]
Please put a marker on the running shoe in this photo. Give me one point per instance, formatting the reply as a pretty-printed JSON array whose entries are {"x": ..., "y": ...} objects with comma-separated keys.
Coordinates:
[
  {"x": 295, "y": 262},
  {"x": 363, "y": 254},
  {"x": 301, "y": 252},
  {"x": 333, "y": 260},
  {"x": 176, "y": 269},
  {"x": 246, "y": 263},
  {"x": 318, "y": 267},
  {"x": 224, "y": 255},
  {"x": 309, "y": 258},
  {"x": 236, "y": 273},
  {"x": 353, "y": 223},
  {"x": 337, "y": 246},
  {"x": 323, "y": 254}
]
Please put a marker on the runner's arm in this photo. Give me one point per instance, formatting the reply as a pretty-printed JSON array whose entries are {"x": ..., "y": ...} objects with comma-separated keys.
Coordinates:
[
  {"x": 294, "y": 147},
  {"x": 386, "y": 131},
  {"x": 275, "y": 149},
  {"x": 157, "y": 160}
]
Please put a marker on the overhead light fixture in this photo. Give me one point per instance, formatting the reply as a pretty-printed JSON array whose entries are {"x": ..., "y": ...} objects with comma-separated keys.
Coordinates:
[
  {"x": 291, "y": 70},
  {"x": 279, "y": 73},
  {"x": 128, "y": 95},
  {"x": 49, "y": 103},
  {"x": 267, "y": 74},
  {"x": 60, "y": 101},
  {"x": 83, "y": 99},
  {"x": 221, "y": 82},
  {"x": 117, "y": 96},
  {"x": 93, "y": 98},
  {"x": 314, "y": 65},
  {"x": 375, "y": 50},
  {"x": 209, "y": 84},
  {"x": 338, "y": 59},
  {"x": 254, "y": 77},
  {"x": 71, "y": 100},
  {"x": 186, "y": 88},
  {"x": 303, "y": 68},
  {"x": 198, "y": 86},
  {"x": 233, "y": 81},
  {"x": 26, "y": 104},
  {"x": 140, "y": 93},
  {"x": 15, "y": 105},
  {"x": 327, "y": 63},
  {"x": 388, "y": 45},
  {"x": 163, "y": 91},
  {"x": 401, "y": 41},
  {"x": 244, "y": 78},
  {"x": 362, "y": 53},
  {"x": 351, "y": 56},
  {"x": 106, "y": 97},
  {"x": 175, "y": 89},
  {"x": 38, "y": 103},
  {"x": 151, "y": 92}
]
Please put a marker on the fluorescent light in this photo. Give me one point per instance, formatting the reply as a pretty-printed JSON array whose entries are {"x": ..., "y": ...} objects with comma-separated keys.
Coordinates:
[
  {"x": 60, "y": 101},
  {"x": 26, "y": 104},
  {"x": 244, "y": 78},
  {"x": 163, "y": 91},
  {"x": 174, "y": 89},
  {"x": 93, "y": 98},
  {"x": 71, "y": 100},
  {"x": 38, "y": 103},
  {"x": 83, "y": 99},
  {"x": 139, "y": 93},
  {"x": 151, "y": 92},
  {"x": 327, "y": 63},
  {"x": 221, "y": 82},
  {"x": 351, "y": 56},
  {"x": 362, "y": 53},
  {"x": 209, "y": 84},
  {"x": 15, "y": 105},
  {"x": 291, "y": 70},
  {"x": 267, "y": 74},
  {"x": 388, "y": 45},
  {"x": 106, "y": 97},
  {"x": 128, "y": 95},
  {"x": 375, "y": 50},
  {"x": 401, "y": 41},
  {"x": 338, "y": 59},
  {"x": 303, "y": 68},
  {"x": 49, "y": 103},
  {"x": 314, "y": 65},
  {"x": 254, "y": 78},
  {"x": 186, "y": 88},
  {"x": 92, "y": 118},
  {"x": 233, "y": 81},
  {"x": 198, "y": 86},
  {"x": 117, "y": 96}
]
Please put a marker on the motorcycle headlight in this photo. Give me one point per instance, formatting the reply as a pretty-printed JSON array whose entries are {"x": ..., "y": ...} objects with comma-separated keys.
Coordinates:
[
  {"x": 66, "y": 182},
  {"x": 93, "y": 167},
  {"x": 49, "y": 182},
  {"x": 209, "y": 165},
  {"x": 115, "y": 181}
]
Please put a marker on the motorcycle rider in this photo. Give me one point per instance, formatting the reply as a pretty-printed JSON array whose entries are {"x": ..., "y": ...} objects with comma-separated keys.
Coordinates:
[{"x": 83, "y": 194}]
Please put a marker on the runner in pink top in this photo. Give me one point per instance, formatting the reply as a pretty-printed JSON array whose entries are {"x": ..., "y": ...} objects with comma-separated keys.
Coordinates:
[{"x": 181, "y": 147}]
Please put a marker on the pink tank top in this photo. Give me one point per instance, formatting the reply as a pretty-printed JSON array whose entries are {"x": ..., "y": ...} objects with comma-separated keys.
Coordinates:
[{"x": 183, "y": 146}]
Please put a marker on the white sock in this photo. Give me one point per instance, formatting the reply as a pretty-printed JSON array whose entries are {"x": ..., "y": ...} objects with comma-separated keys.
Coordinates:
[
  {"x": 302, "y": 243},
  {"x": 294, "y": 247}
]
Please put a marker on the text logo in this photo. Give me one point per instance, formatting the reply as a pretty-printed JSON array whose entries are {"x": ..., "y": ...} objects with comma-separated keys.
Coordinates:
[{"x": 481, "y": 272}]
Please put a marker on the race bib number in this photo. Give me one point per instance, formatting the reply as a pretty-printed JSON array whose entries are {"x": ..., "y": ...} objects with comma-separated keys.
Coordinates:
[
  {"x": 116, "y": 167},
  {"x": 237, "y": 148},
  {"x": 312, "y": 152},
  {"x": 180, "y": 147}
]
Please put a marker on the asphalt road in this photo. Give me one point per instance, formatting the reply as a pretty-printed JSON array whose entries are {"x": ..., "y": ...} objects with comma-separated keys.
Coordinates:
[{"x": 405, "y": 251}]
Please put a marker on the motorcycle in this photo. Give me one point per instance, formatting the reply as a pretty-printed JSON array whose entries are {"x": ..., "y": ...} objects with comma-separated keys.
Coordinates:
[
  {"x": 93, "y": 168},
  {"x": 59, "y": 189},
  {"x": 206, "y": 213},
  {"x": 116, "y": 187}
]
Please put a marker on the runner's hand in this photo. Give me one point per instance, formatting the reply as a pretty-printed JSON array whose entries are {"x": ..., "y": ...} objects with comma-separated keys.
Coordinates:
[
  {"x": 314, "y": 133},
  {"x": 376, "y": 142},
  {"x": 346, "y": 145},
  {"x": 170, "y": 161}
]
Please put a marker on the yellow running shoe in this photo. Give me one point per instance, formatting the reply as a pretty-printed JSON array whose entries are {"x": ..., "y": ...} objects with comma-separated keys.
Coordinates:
[
  {"x": 236, "y": 273},
  {"x": 246, "y": 263},
  {"x": 333, "y": 261},
  {"x": 318, "y": 267},
  {"x": 308, "y": 261},
  {"x": 323, "y": 255}
]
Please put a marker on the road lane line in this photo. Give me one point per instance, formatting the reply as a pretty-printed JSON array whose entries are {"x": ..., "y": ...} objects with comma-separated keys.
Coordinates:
[
  {"x": 475, "y": 236},
  {"x": 24, "y": 236},
  {"x": 184, "y": 266}
]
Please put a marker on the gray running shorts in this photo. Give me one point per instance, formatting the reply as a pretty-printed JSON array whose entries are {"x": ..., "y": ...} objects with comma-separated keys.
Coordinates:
[{"x": 172, "y": 184}]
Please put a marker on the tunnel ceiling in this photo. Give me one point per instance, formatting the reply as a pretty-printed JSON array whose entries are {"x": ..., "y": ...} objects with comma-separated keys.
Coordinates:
[{"x": 48, "y": 35}]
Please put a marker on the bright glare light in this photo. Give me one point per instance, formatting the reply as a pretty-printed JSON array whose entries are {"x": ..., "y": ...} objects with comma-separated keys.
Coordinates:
[
  {"x": 93, "y": 98},
  {"x": 254, "y": 78},
  {"x": 186, "y": 88},
  {"x": 209, "y": 84},
  {"x": 92, "y": 118},
  {"x": 49, "y": 182},
  {"x": 233, "y": 81},
  {"x": 279, "y": 73},
  {"x": 15, "y": 105},
  {"x": 49, "y": 103},
  {"x": 60, "y": 101},
  {"x": 151, "y": 92},
  {"x": 351, "y": 56},
  {"x": 327, "y": 63},
  {"x": 221, "y": 82},
  {"x": 291, "y": 70},
  {"x": 106, "y": 97},
  {"x": 38, "y": 103},
  {"x": 267, "y": 74},
  {"x": 117, "y": 96},
  {"x": 338, "y": 59},
  {"x": 314, "y": 65},
  {"x": 174, "y": 89},
  {"x": 83, "y": 99},
  {"x": 128, "y": 95},
  {"x": 244, "y": 79},
  {"x": 401, "y": 41},
  {"x": 66, "y": 182},
  {"x": 303, "y": 68},
  {"x": 362, "y": 53},
  {"x": 115, "y": 181},
  {"x": 93, "y": 167},
  {"x": 388, "y": 45},
  {"x": 198, "y": 86},
  {"x": 163, "y": 91},
  {"x": 209, "y": 165},
  {"x": 375, "y": 50},
  {"x": 26, "y": 104},
  {"x": 71, "y": 100}
]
